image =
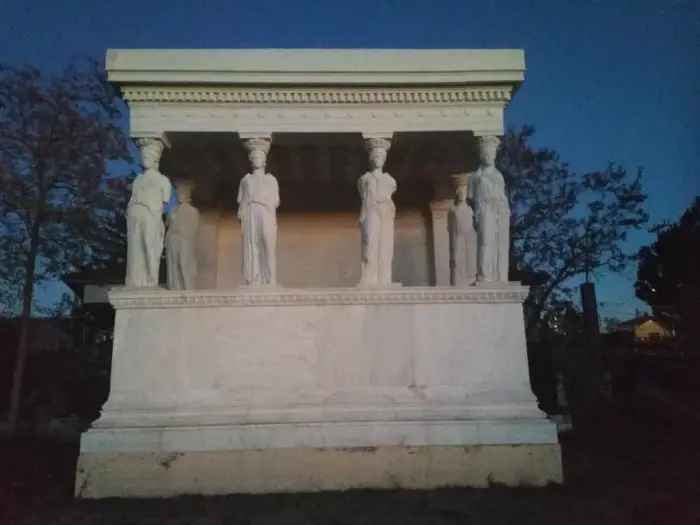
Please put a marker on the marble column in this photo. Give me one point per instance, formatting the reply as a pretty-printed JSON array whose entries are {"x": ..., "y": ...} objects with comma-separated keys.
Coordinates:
[
  {"x": 463, "y": 242},
  {"x": 206, "y": 248},
  {"x": 439, "y": 210},
  {"x": 258, "y": 200},
  {"x": 486, "y": 189},
  {"x": 377, "y": 214},
  {"x": 150, "y": 191},
  {"x": 181, "y": 240}
]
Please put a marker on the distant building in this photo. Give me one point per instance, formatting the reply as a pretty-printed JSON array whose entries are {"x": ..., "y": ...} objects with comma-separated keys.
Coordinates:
[{"x": 644, "y": 329}]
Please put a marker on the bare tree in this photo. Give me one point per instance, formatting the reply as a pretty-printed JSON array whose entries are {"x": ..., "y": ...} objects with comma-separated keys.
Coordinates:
[
  {"x": 57, "y": 135},
  {"x": 565, "y": 224}
]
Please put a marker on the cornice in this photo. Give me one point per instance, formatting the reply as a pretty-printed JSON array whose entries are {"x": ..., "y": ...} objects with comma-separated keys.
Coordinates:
[
  {"x": 499, "y": 95},
  {"x": 124, "y": 298}
]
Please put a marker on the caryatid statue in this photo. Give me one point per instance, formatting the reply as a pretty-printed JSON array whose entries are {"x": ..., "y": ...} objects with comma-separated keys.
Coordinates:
[
  {"x": 258, "y": 199},
  {"x": 183, "y": 223},
  {"x": 487, "y": 194},
  {"x": 464, "y": 237},
  {"x": 144, "y": 218},
  {"x": 377, "y": 216}
]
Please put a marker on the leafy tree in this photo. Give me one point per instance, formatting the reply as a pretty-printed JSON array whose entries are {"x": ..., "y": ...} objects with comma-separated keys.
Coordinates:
[
  {"x": 563, "y": 224},
  {"x": 668, "y": 277},
  {"x": 57, "y": 135}
]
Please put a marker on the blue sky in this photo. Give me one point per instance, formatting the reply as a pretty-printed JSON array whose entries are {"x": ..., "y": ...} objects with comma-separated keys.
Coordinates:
[{"x": 607, "y": 79}]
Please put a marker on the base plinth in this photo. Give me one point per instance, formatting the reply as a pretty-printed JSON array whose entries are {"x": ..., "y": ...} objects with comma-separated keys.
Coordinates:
[
  {"x": 158, "y": 474},
  {"x": 216, "y": 392}
]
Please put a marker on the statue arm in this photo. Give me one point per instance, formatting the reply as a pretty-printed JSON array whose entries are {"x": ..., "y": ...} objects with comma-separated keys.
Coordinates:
[
  {"x": 392, "y": 187},
  {"x": 240, "y": 198},
  {"x": 361, "y": 186},
  {"x": 470, "y": 191},
  {"x": 167, "y": 190},
  {"x": 276, "y": 196}
]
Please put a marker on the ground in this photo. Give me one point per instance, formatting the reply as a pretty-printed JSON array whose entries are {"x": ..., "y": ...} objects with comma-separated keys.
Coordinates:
[{"x": 634, "y": 462}]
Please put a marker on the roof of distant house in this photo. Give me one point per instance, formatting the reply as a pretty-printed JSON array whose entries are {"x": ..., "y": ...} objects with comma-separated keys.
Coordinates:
[{"x": 637, "y": 321}]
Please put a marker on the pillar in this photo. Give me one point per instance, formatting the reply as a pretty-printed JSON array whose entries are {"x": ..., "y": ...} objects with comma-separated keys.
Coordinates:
[
  {"x": 439, "y": 210},
  {"x": 206, "y": 248},
  {"x": 258, "y": 198},
  {"x": 376, "y": 190}
]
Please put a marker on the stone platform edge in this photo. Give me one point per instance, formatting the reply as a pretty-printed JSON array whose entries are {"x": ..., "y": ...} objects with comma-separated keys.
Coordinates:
[
  {"x": 126, "y": 298},
  {"x": 170, "y": 474}
]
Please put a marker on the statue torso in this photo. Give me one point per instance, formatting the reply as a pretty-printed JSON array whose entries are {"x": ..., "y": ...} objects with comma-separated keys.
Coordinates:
[
  {"x": 150, "y": 189},
  {"x": 261, "y": 189},
  {"x": 183, "y": 220}
]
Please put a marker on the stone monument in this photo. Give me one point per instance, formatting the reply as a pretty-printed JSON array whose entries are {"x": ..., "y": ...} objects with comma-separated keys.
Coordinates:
[
  {"x": 145, "y": 229},
  {"x": 319, "y": 383},
  {"x": 183, "y": 223}
]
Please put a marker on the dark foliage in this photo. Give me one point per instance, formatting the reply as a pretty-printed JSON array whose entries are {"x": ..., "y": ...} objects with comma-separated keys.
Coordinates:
[
  {"x": 668, "y": 277},
  {"x": 564, "y": 224}
]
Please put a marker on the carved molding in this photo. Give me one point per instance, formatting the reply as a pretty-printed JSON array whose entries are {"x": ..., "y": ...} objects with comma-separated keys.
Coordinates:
[
  {"x": 403, "y": 408},
  {"x": 295, "y": 97},
  {"x": 377, "y": 119},
  {"x": 123, "y": 298}
]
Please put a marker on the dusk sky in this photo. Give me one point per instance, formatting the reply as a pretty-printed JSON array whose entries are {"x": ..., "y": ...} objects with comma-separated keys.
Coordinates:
[{"x": 606, "y": 80}]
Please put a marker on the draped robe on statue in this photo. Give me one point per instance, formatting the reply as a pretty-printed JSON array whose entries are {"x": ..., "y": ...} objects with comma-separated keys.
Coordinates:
[
  {"x": 377, "y": 226},
  {"x": 464, "y": 244},
  {"x": 145, "y": 229},
  {"x": 492, "y": 216},
  {"x": 258, "y": 199}
]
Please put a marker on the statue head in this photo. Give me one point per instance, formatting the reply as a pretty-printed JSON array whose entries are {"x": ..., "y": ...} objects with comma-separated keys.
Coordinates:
[
  {"x": 461, "y": 194},
  {"x": 488, "y": 147},
  {"x": 151, "y": 150},
  {"x": 377, "y": 158},
  {"x": 377, "y": 149},
  {"x": 257, "y": 159},
  {"x": 258, "y": 149},
  {"x": 184, "y": 190}
]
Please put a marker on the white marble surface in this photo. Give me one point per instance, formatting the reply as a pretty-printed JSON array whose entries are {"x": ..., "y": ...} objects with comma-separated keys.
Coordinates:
[
  {"x": 320, "y": 435},
  {"x": 378, "y": 91},
  {"x": 254, "y": 356}
]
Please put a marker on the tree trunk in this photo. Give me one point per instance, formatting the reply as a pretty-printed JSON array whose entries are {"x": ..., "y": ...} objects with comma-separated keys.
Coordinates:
[{"x": 23, "y": 345}]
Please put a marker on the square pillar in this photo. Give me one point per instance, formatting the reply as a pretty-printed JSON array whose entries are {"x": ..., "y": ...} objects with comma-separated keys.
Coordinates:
[
  {"x": 439, "y": 210},
  {"x": 207, "y": 248}
]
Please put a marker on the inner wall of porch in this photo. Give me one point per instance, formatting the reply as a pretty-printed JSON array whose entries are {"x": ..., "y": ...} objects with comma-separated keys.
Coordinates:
[{"x": 318, "y": 243}]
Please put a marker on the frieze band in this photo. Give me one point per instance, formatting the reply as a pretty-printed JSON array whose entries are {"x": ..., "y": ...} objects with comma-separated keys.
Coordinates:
[{"x": 123, "y": 298}]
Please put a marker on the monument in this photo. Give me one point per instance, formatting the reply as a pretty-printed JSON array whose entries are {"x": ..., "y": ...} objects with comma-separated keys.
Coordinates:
[{"x": 322, "y": 345}]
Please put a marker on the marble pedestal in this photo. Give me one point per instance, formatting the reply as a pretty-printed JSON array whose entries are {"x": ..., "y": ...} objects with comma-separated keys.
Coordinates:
[{"x": 277, "y": 390}]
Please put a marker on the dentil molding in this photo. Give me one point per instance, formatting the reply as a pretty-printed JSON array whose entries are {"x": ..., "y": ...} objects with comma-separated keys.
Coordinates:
[
  {"x": 306, "y": 96},
  {"x": 124, "y": 298}
]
